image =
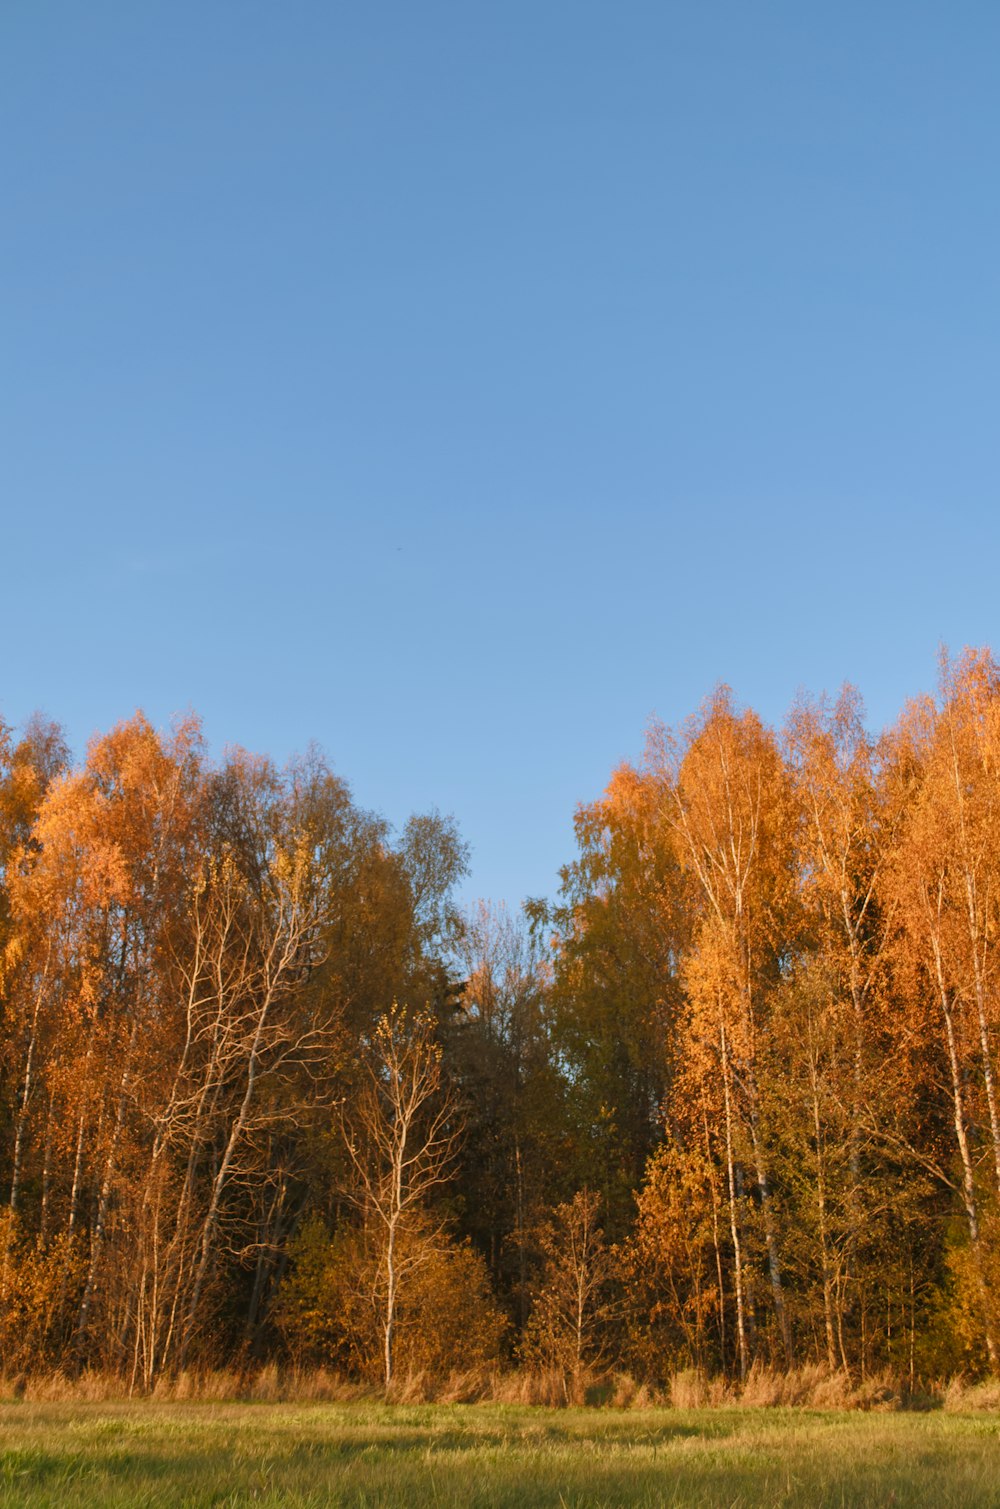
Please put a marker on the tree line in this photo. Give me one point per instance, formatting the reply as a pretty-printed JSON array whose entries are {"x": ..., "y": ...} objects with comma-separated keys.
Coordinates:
[{"x": 730, "y": 1100}]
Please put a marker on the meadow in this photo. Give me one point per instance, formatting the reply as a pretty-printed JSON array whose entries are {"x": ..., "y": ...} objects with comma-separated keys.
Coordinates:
[{"x": 227, "y": 1454}]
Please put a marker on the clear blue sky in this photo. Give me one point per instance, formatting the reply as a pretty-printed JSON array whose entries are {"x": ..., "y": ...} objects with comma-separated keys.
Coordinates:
[{"x": 459, "y": 385}]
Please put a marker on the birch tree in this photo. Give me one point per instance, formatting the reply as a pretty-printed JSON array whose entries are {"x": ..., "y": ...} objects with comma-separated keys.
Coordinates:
[
  {"x": 732, "y": 809},
  {"x": 402, "y": 1132}
]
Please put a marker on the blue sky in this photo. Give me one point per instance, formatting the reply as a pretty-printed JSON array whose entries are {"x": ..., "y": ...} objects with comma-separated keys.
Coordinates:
[{"x": 461, "y": 385}]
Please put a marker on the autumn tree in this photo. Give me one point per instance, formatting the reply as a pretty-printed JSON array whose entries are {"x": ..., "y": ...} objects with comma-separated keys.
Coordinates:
[
  {"x": 945, "y": 882},
  {"x": 673, "y": 1264},
  {"x": 28, "y": 766},
  {"x": 733, "y": 813},
  {"x": 756, "y": 1034},
  {"x": 500, "y": 1054},
  {"x": 188, "y": 950},
  {"x": 256, "y": 1046},
  {"x": 402, "y": 1133},
  {"x": 568, "y": 1326},
  {"x": 615, "y": 994},
  {"x": 838, "y": 1053},
  {"x": 328, "y": 1307},
  {"x": 95, "y": 905}
]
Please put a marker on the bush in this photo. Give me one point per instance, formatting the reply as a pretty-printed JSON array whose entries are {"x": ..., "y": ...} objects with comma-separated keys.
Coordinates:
[
  {"x": 446, "y": 1321},
  {"x": 40, "y": 1288}
]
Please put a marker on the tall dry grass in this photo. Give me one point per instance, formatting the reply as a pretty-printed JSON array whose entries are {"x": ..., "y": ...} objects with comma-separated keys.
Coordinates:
[{"x": 808, "y": 1387}]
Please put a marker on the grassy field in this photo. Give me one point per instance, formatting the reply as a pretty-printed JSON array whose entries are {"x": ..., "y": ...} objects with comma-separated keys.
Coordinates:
[{"x": 365, "y": 1454}]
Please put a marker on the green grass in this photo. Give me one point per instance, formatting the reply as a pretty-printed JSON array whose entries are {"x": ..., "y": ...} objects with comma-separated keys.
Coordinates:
[{"x": 151, "y": 1454}]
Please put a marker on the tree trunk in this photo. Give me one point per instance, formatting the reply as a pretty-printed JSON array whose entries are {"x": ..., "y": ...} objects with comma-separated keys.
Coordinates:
[{"x": 734, "y": 1225}]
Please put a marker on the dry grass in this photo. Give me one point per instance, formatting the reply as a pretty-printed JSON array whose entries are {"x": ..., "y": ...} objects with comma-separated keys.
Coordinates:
[
  {"x": 808, "y": 1387},
  {"x": 961, "y": 1394},
  {"x": 267, "y": 1385}
]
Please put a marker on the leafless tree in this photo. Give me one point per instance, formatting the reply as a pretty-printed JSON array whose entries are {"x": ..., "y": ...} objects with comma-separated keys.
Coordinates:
[{"x": 402, "y": 1131}]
